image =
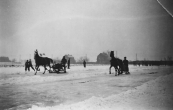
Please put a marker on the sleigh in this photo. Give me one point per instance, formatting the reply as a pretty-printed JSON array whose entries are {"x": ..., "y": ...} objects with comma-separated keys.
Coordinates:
[
  {"x": 124, "y": 69},
  {"x": 58, "y": 68}
]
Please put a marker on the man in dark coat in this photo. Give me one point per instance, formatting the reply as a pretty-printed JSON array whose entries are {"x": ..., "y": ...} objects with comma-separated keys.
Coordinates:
[
  {"x": 63, "y": 62},
  {"x": 84, "y": 64},
  {"x": 27, "y": 65},
  {"x": 69, "y": 63},
  {"x": 126, "y": 65}
]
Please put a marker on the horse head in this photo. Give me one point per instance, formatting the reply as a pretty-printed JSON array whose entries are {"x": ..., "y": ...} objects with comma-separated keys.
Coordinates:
[{"x": 36, "y": 54}]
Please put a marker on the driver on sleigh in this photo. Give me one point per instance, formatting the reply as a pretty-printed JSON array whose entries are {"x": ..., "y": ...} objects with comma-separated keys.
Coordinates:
[{"x": 63, "y": 62}]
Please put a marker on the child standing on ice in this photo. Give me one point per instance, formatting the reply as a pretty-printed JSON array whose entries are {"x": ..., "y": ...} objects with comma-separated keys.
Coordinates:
[
  {"x": 26, "y": 65},
  {"x": 84, "y": 64}
]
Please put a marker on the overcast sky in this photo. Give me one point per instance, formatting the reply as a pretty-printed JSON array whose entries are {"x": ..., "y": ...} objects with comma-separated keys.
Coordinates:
[{"x": 85, "y": 27}]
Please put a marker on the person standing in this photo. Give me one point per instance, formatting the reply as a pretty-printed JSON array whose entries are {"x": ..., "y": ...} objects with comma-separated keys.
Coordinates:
[
  {"x": 26, "y": 65},
  {"x": 126, "y": 65},
  {"x": 30, "y": 65},
  {"x": 69, "y": 63},
  {"x": 63, "y": 62},
  {"x": 84, "y": 64}
]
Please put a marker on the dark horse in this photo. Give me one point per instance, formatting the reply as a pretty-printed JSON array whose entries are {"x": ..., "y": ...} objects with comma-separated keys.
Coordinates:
[
  {"x": 117, "y": 64},
  {"x": 41, "y": 61}
]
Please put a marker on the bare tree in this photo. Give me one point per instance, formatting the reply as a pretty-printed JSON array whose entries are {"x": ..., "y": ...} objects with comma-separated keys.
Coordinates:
[
  {"x": 169, "y": 58},
  {"x": 56, "y": 60},
  {"x": 108, "y": 52},
  {"x": 13, "y": 60}
]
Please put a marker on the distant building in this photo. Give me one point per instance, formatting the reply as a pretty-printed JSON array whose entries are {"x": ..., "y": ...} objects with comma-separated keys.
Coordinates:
[
  {"x": 103, "y": 58},
  {"x": 72, "y": 60},
  {"x": 4, "y": 59}
]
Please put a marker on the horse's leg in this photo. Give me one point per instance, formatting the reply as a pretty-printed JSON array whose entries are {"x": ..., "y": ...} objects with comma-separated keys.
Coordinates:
[
  {"x": 119, "y": 70},
  {"x": 49, "y": 68},
  {"x": 116, "y": 70},
  {"x": 35, "y": 72},
  {"x": 44, "y": 69},
  {"x": 117, "y": 73},
  {"x": 36, "y": 67},
  {"x": 110, "y": 69}
]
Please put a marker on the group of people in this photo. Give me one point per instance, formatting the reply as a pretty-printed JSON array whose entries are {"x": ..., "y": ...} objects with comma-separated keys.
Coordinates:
[
  {"x": 64, "y": 61},
  {"x": 28, "y": 64}
]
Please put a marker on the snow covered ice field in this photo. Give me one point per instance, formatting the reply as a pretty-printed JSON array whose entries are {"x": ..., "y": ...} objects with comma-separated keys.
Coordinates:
[{"x": 20, "y": 90}]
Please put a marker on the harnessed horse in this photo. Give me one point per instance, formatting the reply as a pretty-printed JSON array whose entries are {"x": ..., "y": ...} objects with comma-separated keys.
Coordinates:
[
  {"x": 42, "y": 61},
  {"x": 117, "y": 64}
]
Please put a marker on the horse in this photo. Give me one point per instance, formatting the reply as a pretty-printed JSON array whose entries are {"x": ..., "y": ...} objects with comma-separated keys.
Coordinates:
[
  {"x": 42, "y": 61},
  {"x": 117, "y": 64}
]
